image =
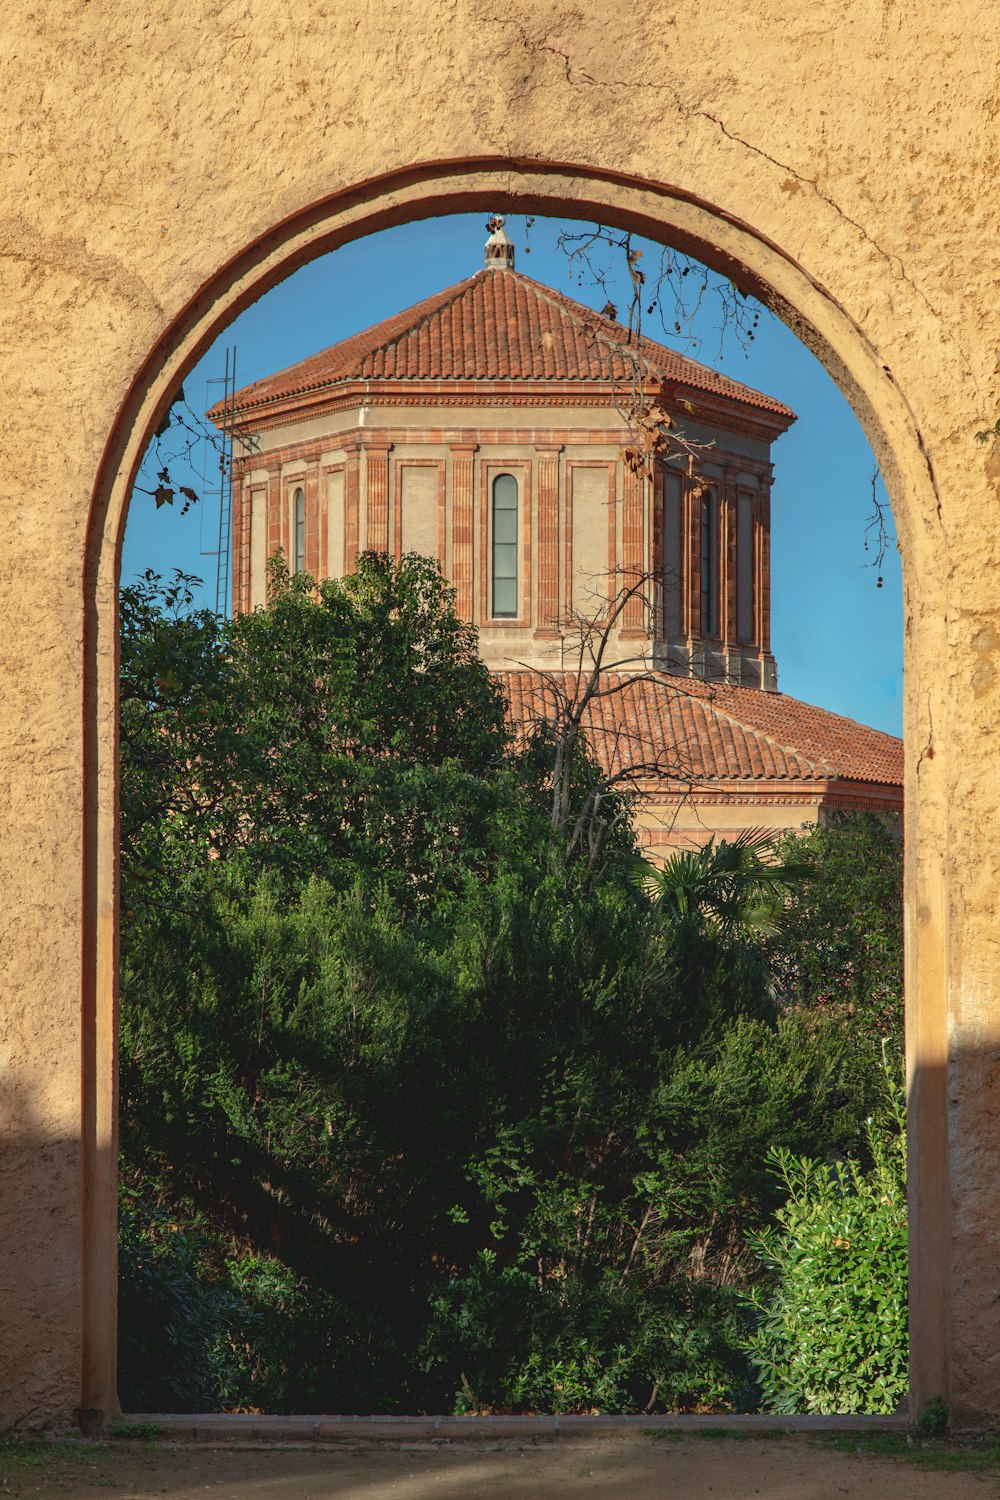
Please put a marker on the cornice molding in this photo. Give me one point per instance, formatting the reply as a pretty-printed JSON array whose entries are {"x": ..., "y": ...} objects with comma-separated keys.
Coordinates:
[
  {"x": 569, "y": 440},
  {"x": 863, "y": 796},
  {"x": 707, "y": 409}
]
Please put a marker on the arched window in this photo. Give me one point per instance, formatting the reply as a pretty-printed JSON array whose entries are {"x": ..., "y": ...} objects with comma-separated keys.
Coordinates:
[
  {"x": 709, "y": 563},
  {"x": 300, "y": 531},
  {"x": 504, "y": 547}
]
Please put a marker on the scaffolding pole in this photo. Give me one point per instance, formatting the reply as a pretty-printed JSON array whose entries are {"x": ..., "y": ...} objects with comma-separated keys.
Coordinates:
[{"x": 222, "y": 571}]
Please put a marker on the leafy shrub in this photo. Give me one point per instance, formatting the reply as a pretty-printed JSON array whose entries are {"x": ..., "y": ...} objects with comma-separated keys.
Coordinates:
[
  {"x": 175, "y": 1312},
  {"x": 302, "y": 1347},
  {"x": 518, "y": 1342},
  {"x": 369, "y": 1109},
  {"x": 832, "y": 1334},
  {"x": 199, "y": 1331}
]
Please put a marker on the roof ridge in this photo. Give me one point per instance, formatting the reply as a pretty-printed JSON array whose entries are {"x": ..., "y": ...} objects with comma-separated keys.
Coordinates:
[
  {"x": 613, "y": 326},
  {"x": 730, "y": 731},
  {"x": 571, "y": 307},
  {"x": 776, "y": 696},
  {"x": 433, "y": 305}
]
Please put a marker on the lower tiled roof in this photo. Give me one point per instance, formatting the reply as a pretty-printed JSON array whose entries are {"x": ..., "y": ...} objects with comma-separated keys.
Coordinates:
[{"x": 687, "y": 730}]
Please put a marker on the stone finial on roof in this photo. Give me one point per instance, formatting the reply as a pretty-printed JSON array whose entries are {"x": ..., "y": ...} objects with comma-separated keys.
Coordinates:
[{"x": 499, "y": 250}]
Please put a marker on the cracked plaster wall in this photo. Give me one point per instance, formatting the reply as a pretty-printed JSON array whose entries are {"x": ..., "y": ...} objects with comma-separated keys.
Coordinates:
[{"x": 848, "y": 146}]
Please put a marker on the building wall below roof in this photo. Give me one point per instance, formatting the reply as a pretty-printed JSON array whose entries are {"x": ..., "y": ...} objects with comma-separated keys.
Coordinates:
[
  {"x": 726, "y": 440},
  {"x": 419, "y": 414},
  {"x": 667, "y": 821},
  {"x": 588, "y": 528}
]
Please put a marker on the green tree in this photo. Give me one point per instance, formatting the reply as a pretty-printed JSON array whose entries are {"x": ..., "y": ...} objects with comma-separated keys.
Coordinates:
[
  {"x": 423, "y": 1124},
  {"x": 737, "y": 887},
  {"x": 350, "y": 728},
  {"x": 441, "y": 1115},
  {"x": 841, "y": 948}
]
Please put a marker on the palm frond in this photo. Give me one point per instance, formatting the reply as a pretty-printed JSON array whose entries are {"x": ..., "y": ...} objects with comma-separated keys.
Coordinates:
[{"x": 734, "y": 885}]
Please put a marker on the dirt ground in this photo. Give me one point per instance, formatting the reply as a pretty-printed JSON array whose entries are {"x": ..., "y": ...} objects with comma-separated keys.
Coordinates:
[{"x": 630, "y": 1468}]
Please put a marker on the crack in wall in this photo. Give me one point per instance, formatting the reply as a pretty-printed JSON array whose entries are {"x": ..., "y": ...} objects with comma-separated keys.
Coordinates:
[
  {"x": 568, "y": 67},
  {"x": 891, "y": 260},
  {"x": 927, "y": 752},
  {"x": 574, "y": 76}
]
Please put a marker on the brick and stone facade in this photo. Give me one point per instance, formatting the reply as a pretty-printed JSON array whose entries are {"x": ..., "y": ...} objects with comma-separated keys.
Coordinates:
[{"x": 487, "y": 427}]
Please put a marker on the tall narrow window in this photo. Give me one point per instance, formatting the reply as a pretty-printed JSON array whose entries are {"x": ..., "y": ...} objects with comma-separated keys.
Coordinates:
[
  {"x": 504, "y": 547},
  {"x": 300, "y": 531},
  {"x": 709, "y": 564},
  {"x": 744, "y": 567}
]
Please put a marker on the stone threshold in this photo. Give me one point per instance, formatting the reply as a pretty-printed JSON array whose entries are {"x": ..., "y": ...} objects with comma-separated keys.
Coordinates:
[{"x": 229, "y": 1429}]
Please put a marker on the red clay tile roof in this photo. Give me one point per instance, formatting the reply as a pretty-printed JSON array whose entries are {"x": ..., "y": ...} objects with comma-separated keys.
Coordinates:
[
  {"x": 696, "y": 731},
  {"x": 496, "y": 325}
]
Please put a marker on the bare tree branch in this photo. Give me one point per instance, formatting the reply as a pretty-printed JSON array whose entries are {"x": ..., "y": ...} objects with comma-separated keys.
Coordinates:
[
  {"x": 676, "y": 290},
  {"x": 878, "y": 536},
  {"x": 600, "y": 769}
]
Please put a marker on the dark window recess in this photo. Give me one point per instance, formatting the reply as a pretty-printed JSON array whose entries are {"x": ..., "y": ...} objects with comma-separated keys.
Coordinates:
[{"x": 709, "y": 564}]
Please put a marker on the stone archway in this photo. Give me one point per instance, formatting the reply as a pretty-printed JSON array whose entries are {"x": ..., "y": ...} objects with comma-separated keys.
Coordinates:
[
  {"x": 122, "y": 268},
  {"x": 642, "y": 207}
]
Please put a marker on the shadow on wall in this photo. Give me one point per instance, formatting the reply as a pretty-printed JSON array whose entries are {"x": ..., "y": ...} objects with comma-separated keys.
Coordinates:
[
  {"x": 40, "y": 1221},
  {"x": 40, "y": 1242}
]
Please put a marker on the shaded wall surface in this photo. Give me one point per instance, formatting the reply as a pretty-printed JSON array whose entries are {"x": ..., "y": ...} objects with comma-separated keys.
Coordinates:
[{"x": 166, "y": 162}]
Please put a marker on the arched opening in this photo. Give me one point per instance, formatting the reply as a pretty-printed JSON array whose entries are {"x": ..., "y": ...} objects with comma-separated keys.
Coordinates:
[{"x": 665, "y": 215}]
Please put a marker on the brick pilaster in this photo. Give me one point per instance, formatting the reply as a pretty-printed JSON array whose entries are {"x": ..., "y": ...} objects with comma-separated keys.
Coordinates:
[
  {"x": 462, "y": 534},
  {"x": 633, "y": 560},
  {"x": 378, "y": 497},
  {"x": 692, "y": 544},
  {"x": 727, "y": 549},
  {"x": 547, "y": 575},
  {"x": 241, "y": 578},
  {"x": 312, "y": 552},
  {"x": 656, "y": 560},
  {"x": 323, "y": 509},
  {"x": 762, "y": 567},
  {"x": 352, "y": 502},
  {"x": 275, "y": 518}
]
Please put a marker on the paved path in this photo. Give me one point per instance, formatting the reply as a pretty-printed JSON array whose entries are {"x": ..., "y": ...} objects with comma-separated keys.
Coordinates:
[{"x": 632, "y": 1467}]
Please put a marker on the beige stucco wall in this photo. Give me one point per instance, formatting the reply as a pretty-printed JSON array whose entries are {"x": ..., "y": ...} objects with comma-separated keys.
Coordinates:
[
  {"x": 689, "y": 821},
  {"x": 167, "y": 161}
]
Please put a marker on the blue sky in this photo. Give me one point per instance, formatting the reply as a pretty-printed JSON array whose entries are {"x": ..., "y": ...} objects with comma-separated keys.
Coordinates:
[{"x": 837, "y": 638}]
